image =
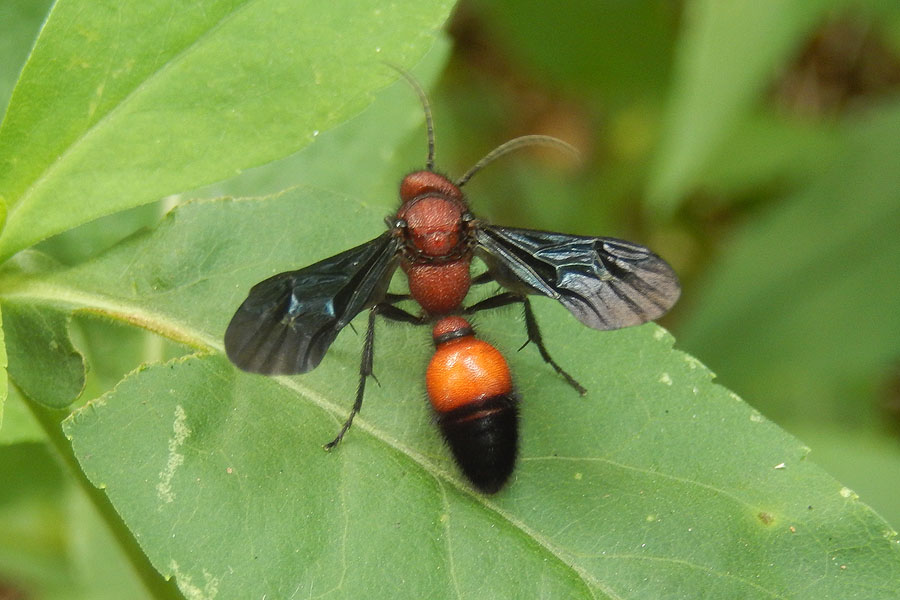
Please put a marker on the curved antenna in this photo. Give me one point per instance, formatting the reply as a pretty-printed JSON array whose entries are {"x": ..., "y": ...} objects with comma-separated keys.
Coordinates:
[
  {"x": 429, "y": 122},
  {"x": 515, "y": 144}
]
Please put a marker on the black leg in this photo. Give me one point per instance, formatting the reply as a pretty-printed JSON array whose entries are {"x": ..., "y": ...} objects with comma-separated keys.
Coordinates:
[
  {"x": 394, "y": 298},
  {"x": 531, "y": 327},
  {"x": 482, "y": 278},
  {"x": 502, "y": 299},
  {"x": 388, "y": 311},
  {"x": 392, "y": 313},
  {"x": 534, "y": 335},
  {"x": 365, "y": 369}
]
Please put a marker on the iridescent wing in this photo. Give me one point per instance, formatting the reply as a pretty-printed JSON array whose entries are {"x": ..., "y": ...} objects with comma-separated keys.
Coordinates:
[
  {"x": 606, "y": 283},
  {"x": 288, "y": 321}
]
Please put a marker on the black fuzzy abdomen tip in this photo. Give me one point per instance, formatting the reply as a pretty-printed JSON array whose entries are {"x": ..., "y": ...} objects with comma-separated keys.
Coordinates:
[{"x": 484, "y": 437}]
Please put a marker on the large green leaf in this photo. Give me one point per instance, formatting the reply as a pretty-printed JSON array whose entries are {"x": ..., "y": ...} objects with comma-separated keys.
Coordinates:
[
  {"x": 368, "y": 145},
  {"x": 657, "y": 483},
  {"x": 123, "y": 103}
]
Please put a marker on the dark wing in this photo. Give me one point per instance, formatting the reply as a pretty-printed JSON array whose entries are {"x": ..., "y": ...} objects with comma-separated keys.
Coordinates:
[
  {"x": 606, "y": 283},
  {"x": 288, "y": 321}
]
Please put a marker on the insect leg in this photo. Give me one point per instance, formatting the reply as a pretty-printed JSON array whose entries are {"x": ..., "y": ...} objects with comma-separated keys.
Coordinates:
[
  {"x": 392, "y": 313},
  {"x": 365, "y": 369},
  {"x": 388, "y": 311},
  {"x": 482, "y": 278},
  {"x": 534, "y": 335},
  {"x": 501, "y": 299},
  {"x": 392, "y": 298},
  {"x": 531, "y": 327}
]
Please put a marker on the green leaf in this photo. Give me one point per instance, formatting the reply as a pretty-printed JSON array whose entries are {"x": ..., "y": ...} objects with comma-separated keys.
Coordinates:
[
  {"x": 42, "y": 361},
  {"x": 20, "y": 21},
  {"x": 204, "y": 256},
  {"x": 368, "y": 146},
  {"x": 727, "y": 53},
  {"x": 623, "y": 494},
  {"x": 658, "y": 482},
  {"x": 76, "y": 245},
  {"x": 123, "y": 103},
  {"x": 113, "y": 348},
  {"x": 4, "y": 383}
]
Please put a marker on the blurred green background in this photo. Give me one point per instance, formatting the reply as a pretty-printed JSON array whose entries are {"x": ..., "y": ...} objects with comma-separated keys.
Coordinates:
[{"x": 756, "y": 146}]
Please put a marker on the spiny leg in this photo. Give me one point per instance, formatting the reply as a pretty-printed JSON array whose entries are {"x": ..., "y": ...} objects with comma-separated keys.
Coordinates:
[
  {"x": 390, "y": 299},
  {"x": 531, "y": 327},
  {"x": 365, "y": 369},
  {"x": 534, "y": 335},
  {"x": 496, "y": 301},
  {"x": 483, "y": 278},
  {"x": 388, "y": 311}
]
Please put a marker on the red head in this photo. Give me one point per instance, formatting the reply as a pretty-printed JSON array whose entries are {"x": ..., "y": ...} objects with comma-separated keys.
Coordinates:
[{"x": 433, "y": 209}]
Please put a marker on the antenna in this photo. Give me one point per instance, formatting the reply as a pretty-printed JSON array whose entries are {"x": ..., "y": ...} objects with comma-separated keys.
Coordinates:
[
  {"x": 515, "y": 144},
  {"x": 429, "y": 122}
]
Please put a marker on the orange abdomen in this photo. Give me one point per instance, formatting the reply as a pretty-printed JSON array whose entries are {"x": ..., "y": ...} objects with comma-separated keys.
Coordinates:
[
  {"x": 470, "y": 389},
  {"x": 463, "y": 371}
]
